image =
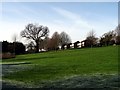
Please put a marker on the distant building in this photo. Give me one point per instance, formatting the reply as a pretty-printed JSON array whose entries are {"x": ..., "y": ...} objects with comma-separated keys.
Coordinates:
[
  {"x": 68, "y": 45},
  {"x": 76, "y": 44}
]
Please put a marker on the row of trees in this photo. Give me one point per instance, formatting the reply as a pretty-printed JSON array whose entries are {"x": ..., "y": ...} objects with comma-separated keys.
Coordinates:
[
  {"x": 109, "y": 38},
  {"x": 15, "y": 47},
  {"x": 54, "y": 43},
  {"x": 39, "y": 35}
]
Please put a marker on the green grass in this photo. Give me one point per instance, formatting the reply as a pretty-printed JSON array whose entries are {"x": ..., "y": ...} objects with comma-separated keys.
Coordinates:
[{"x": 58, "y": 65}]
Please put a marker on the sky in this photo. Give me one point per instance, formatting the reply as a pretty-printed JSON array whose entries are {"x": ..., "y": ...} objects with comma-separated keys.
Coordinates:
[{"x": 74, "y": 18}]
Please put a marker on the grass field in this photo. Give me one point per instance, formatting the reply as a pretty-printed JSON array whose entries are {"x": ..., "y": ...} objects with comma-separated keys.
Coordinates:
[{"x": 41, "y": 68}]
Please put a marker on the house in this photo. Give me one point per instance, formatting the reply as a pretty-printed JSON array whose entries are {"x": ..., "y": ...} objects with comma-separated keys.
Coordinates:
[{"x": 76, "y": 44}]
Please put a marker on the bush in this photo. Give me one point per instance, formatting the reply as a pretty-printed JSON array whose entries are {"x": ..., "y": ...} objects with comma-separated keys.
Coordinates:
[{"x": 7, "y": 55}]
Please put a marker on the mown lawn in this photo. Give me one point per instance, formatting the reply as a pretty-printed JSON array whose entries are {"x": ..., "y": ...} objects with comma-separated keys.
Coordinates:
[{"x": 53, "y": 66}]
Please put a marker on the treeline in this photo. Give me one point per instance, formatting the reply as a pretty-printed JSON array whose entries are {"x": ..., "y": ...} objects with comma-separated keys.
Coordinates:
[
  {"x": 40, "y": 40},
  {"x": 63, "y": 40},
  {"x": 14, "y": 47},
  {"x": 56, "y": 42},
  {"x": 10, "y": 50},
  {"x": 109, "y": 38},
  {"x": 39, "y": 35}
]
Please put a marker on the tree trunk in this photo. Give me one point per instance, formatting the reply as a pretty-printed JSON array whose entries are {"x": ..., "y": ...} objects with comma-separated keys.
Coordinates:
[{"x": 37, "y": 46}]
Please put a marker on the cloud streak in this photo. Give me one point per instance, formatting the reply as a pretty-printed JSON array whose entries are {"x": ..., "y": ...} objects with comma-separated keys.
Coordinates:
[
  {"x": 76, "y": 24},
  {"x": 66, "y": 13},
  {"x": 79, "y": 25},
  {"x": 74, "y": 18},
  {"x": 19, "y": 12}
]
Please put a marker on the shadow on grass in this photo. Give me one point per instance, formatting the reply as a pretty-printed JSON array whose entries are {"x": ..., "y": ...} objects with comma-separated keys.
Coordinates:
[
  {"x": 18, "y": 63},
  {"x": 29, "y": 58}
]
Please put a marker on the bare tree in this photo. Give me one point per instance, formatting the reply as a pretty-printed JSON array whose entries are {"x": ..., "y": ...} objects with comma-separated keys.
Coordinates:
[
  {"x": 108, "y": 38},
  {"x": 35, "y": 32},
  {"x": 91, "y": 34},
  {"x": 41, "y": 44},
  {"x": 30, "y": 46},
  {"x": 55, "y": 40},
  {"x": 91, "y": 38},
  {"x": 14, "y": 38},
  {"x": 117, "y": 30},
  {"x": 64, "y": 38},
  {"x": 46, "y": 42}
]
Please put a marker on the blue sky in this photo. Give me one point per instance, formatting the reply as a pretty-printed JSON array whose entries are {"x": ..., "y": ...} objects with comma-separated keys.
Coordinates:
[{"x": 75, "y": 18}]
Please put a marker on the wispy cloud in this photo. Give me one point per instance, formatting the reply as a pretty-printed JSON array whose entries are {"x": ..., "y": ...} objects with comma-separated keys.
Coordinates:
[
  {"x": 76, "y": 25},
  {"x": 75, "y": 19},
  {"x": 20, "y": 12},
  {"x": 66, "y": 13},
  {"x": 80, "y": 25}
]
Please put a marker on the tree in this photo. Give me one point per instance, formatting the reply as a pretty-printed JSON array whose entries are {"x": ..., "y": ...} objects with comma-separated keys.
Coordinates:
[
  {"x": 46, "y": 43},
  {"x": 31, "y": 47},
  {"x": 117, "y": 30},
  {"x": 4, "y": 46},
  {"x": 19, "y": 48},
  {"x": 91, "y": 39},
  {"x": 9, "y": 47},
  {"x": 55, "y": 40},
  {"x": 41, "y": 44},
  {"x": 118, "y": 40},
  {"x": 35, "y": 32},
  {"x": 68, "y": 45},
  {"x": 64, "y": 38},
  {"x": 14, "y": 38},
  {"x": 108, "y": 38}
]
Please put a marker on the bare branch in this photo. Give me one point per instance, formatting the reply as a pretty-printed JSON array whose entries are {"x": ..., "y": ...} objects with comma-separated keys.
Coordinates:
[{"x": 35, "y": 32}]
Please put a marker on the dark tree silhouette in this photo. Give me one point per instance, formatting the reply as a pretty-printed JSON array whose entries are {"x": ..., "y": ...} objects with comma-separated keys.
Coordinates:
[
  {"x": 63, "y": 46},
  {"x": 5, "y": 46},
  {"x": 30, "y": 47},
  {"x": 19, "y": 48},
  {"x": 35, "y": 32}
]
